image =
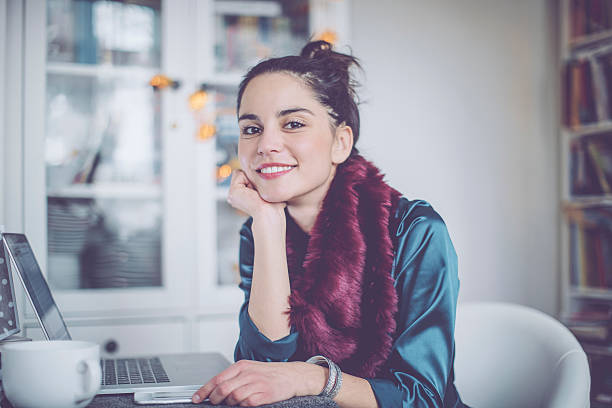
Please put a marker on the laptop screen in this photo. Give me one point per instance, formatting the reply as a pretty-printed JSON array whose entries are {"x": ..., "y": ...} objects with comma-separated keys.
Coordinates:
[
  {"x": 9, "y": 323},
  {"x": 36, "y": 287}
]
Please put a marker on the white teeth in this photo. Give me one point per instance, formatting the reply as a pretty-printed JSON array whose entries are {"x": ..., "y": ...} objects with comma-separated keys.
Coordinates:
[{"x": 274, "y": 169}]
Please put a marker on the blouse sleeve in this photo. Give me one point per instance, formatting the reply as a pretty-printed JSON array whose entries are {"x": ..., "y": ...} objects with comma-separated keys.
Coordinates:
[
  {"x": 419, "y": 371},
  {"x": 252, "y": 344}
]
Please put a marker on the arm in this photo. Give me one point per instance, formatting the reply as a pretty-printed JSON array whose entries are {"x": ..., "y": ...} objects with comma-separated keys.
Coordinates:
[
  {"x": 252, "y": 343},
  {"x": 251, "y": 383},
  {"x": 419, "y": 370},
  {"x": 264, "y": 325},
  {"x": 269, "y": 303}
]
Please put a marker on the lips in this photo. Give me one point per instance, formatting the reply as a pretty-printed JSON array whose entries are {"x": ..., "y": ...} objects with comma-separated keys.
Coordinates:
[{"x": 273, "y": 170}]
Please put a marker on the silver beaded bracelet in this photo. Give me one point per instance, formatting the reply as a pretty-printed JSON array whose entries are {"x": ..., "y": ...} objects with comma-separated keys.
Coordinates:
[
  {"x": 334, "y": 380},
  {"x": 337, "y": 384}
]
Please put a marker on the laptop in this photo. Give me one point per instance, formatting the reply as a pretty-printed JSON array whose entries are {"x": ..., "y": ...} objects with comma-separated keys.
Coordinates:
[
  {"x": 9, "y": 319},
  {"x": 175, "y": 372}
]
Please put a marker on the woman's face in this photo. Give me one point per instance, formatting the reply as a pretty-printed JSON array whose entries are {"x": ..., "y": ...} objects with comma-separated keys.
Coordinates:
[{"x": 288, "y": 148}]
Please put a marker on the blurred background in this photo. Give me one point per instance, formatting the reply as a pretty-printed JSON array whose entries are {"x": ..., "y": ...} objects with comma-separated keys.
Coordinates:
[{"x": 119, "y": 138}]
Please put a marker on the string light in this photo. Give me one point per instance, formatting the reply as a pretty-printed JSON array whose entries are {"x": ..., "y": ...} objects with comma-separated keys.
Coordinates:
[
  {"x": 197, "y": 100},
  {"x": 159, "y": 82},
  {"x": 224, "y": 172},
  {"x": 330, "y": 36},
  {"x": 206, "y": 131}
]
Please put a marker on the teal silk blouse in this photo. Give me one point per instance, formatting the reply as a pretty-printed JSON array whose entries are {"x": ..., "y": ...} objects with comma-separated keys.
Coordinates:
[{"x": 419, "y": 371}]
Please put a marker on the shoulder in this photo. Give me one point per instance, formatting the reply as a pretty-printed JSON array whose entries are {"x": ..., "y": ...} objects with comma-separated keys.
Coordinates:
[
  {"x": 415, "y": 216},
  {"x": 420, "y": 236}
]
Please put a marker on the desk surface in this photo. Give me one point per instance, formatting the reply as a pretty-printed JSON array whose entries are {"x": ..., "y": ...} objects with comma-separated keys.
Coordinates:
[{"x": 126, "y": 401}]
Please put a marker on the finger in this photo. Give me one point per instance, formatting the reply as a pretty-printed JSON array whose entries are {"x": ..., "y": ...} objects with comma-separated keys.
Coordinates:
[
  {"x": 204, "y": 391},
  {"x": 244, "y": 180},
  {"x": 244, "y": 388},
  {"x": 238, "y": 182},
  {"x": 231, "y": 384},
  {"x": 239, "y": 178},
  {"x": 201, "y": 394},
  {"x": 254, "y": 400}
]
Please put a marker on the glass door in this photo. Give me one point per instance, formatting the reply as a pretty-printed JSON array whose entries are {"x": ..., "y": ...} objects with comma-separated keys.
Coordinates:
[
  {"x": 103, "y": 145},
  {"x": 110, "y": 184}
]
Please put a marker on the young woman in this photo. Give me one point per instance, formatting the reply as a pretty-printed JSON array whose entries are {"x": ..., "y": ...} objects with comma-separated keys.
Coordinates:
[{"x": 334, "y": 262}]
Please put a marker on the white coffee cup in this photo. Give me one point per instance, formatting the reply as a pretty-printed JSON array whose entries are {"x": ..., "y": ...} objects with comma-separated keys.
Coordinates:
[{"x": 50, "y": 374}]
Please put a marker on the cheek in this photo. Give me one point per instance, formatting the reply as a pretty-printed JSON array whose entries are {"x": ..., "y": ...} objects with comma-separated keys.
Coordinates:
[
  {"x": 244, "y": 164},
  {"x": 244, "y": 153},
  {"x": 318, "y": 156},
  {"x": 316, "y": 145}
]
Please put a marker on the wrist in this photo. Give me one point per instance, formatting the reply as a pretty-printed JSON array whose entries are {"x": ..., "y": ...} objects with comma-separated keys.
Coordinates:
[
  {"x": 312, "y": 379},
  {"x": 269, "y": 218}
]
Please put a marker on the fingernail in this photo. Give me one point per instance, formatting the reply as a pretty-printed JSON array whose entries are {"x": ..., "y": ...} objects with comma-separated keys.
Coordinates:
[{"x": 195, "y": 398}]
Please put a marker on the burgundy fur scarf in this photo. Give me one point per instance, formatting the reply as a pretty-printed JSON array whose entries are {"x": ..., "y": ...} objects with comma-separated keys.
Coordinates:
[{"x": 343, "y": 301}]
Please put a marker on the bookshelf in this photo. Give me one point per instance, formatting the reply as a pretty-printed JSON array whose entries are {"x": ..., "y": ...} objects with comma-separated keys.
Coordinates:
[{"x": 586, "y": 176}]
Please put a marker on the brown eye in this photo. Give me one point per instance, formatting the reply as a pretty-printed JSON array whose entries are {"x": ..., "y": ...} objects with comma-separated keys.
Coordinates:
[
  {"x": 294, "y": 124},
  {"x": 251, "y": 130}
]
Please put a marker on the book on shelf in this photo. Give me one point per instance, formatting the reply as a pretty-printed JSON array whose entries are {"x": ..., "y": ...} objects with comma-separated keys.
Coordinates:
[
  {"x": 591, "y": 165},
  {"x": 588, "y": 90},
  {"x": 580, "y": 104},
  {"x": 590, "y": 332},
  {"x": 599, "y": 164},
  {"x": 603, "y": 79},
  {"x": 590, "y": 323},
  {"x": 590, "y": 239},
  {"x": 589, "y": 17},
  {"x": 602, "y": 76}
]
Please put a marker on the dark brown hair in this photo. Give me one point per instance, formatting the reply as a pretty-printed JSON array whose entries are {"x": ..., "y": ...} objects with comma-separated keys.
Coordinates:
[{"x": 326, "y": 72}]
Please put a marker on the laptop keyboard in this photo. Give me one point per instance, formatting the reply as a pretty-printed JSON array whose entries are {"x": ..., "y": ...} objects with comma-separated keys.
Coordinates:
[{"x": 133, "y": 371}]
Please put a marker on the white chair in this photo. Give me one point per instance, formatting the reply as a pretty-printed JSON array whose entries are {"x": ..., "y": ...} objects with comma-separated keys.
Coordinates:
[{"x": 514, "y": 356}]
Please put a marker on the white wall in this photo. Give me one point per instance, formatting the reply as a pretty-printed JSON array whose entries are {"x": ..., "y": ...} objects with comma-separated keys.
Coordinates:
[{"x": 461, "y": 111}]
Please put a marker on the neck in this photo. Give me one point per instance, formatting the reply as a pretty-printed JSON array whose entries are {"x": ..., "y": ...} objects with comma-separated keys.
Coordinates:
[
  {"x": 304, "y": 216},
  {"x": 305, "y": 209}
]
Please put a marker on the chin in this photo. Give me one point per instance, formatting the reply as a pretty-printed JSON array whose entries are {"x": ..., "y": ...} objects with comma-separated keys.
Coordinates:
[{"x": 274, "y": 196}]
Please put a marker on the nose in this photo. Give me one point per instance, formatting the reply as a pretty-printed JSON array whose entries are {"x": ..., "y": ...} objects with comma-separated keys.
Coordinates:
[{"x": 270, "y": 140}]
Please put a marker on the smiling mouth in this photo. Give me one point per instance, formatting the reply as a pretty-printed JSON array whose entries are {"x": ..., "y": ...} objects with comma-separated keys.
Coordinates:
[
  {"x": 274, "y": 169},
  {"x": 270, "y": 172}
]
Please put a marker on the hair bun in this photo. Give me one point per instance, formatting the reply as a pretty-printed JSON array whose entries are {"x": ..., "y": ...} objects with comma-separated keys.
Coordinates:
[{"x": 316, "y": 49}]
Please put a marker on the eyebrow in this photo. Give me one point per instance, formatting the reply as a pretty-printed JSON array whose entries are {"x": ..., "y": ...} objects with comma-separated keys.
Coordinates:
[
  {"x": 248, "y": 116},
  {"x": 293, "y": 110},
  {"x": 284, "y": 112}
]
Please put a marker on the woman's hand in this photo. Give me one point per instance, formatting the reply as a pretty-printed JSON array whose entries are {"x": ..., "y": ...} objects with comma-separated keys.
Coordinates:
[
  {"x": 243, "y": 196},
  {"x": 251, "y": 383}
]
